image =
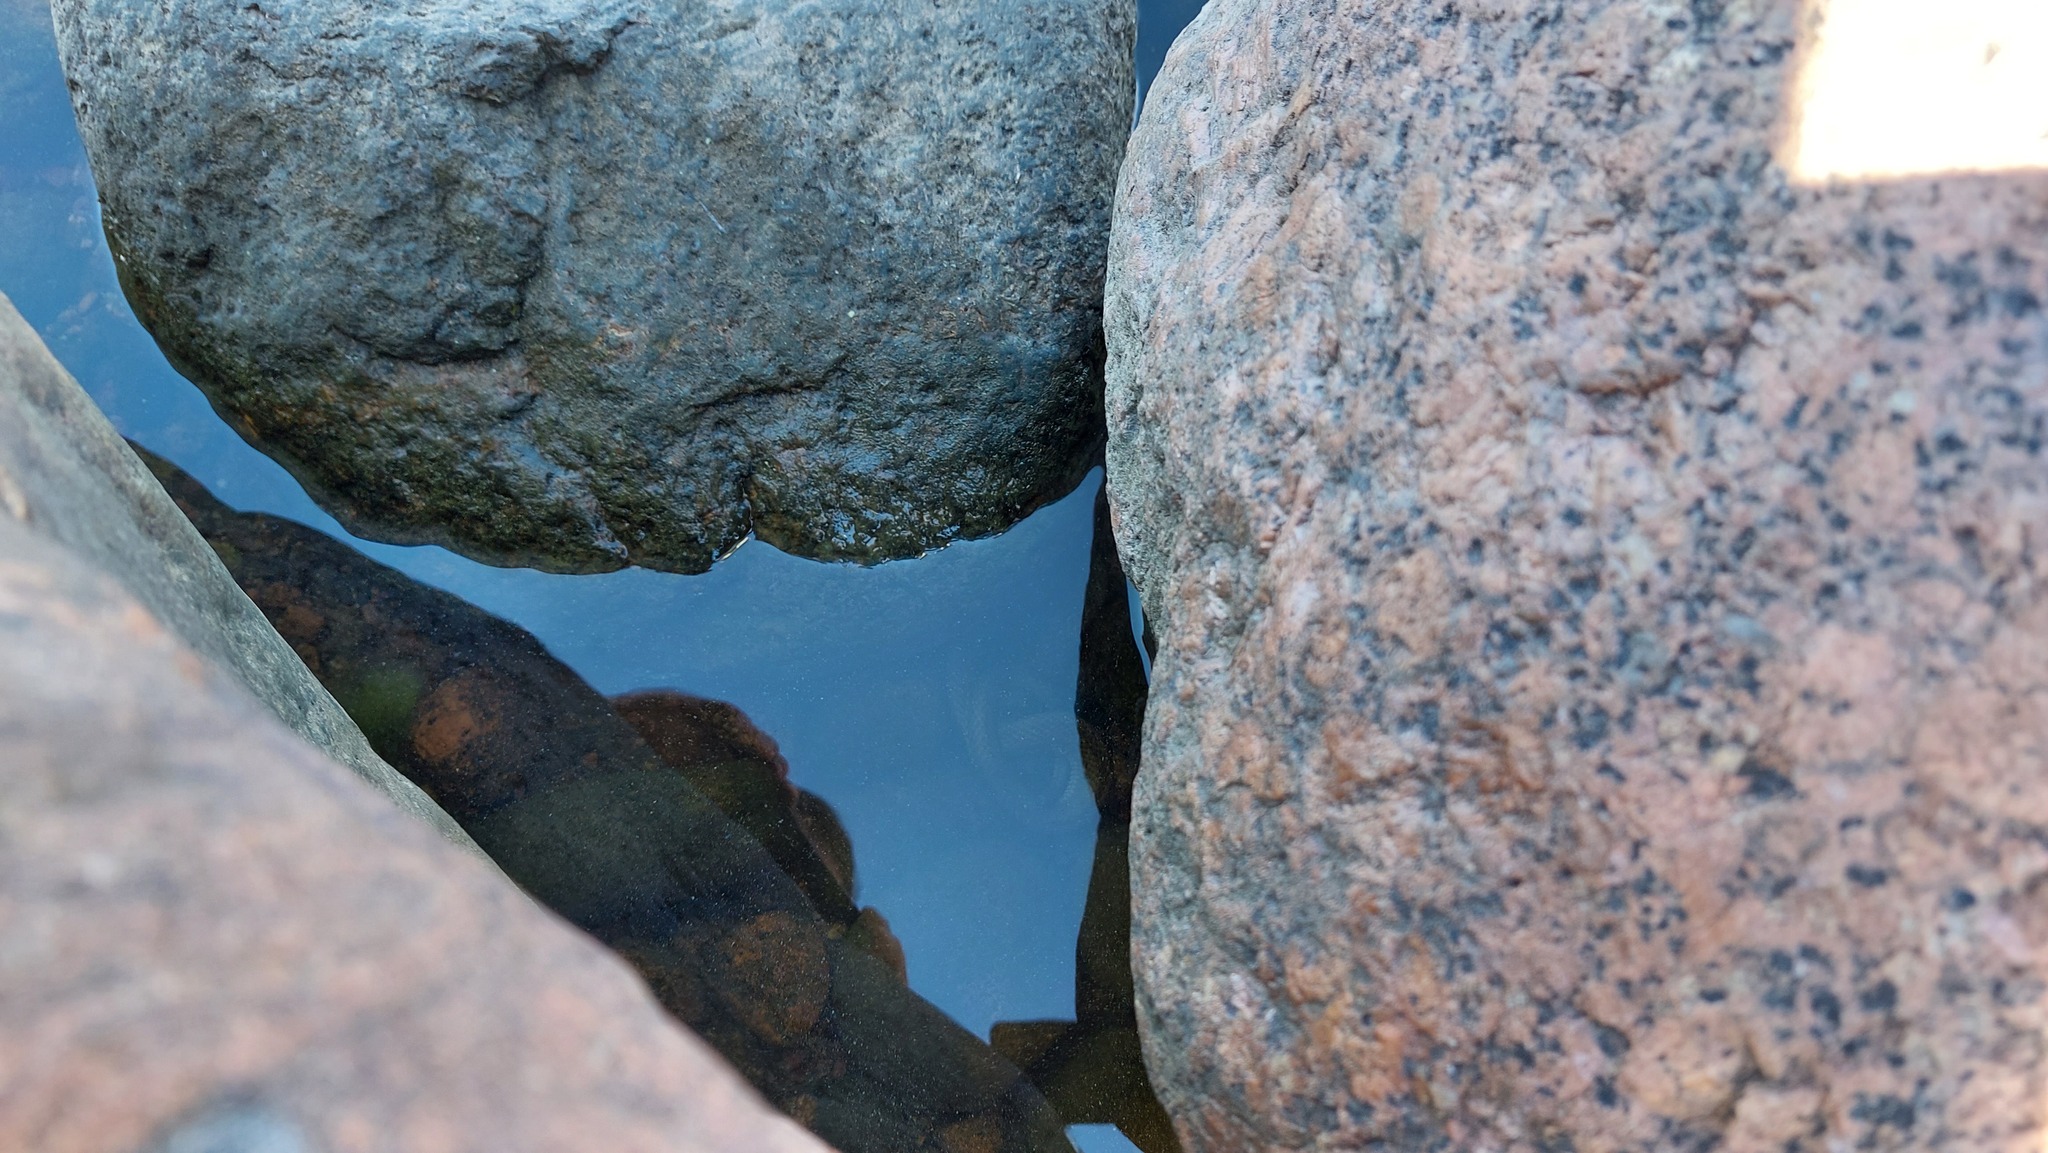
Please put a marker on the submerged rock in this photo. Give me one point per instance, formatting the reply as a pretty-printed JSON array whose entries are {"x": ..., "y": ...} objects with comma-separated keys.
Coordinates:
[
  {"x": 1602, "y": 695},
  {"x": 740, "y": 769},
  {"x": 217, "y": 939},
  {"x": 1092, "y": 1068},
  {"x": 737, "y": 767},
  {"x": 691, "y": 730},
  {"x": 784, "y": 977},
  {"x": 65, "y": 472},
  {"x": 584, "y": 283}
]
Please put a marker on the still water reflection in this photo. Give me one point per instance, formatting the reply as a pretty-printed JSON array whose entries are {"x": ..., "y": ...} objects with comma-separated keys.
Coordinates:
[{"x": 928, "y": 704}]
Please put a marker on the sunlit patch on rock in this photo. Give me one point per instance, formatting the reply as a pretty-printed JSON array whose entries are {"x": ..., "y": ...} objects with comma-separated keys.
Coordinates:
[{"x": 1895, "y": 88}]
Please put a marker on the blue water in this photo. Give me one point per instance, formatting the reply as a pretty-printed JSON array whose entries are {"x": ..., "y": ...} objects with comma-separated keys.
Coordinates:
[
  {"x": 1159, "y": 21},
  {"x": 929, "y": 700}
]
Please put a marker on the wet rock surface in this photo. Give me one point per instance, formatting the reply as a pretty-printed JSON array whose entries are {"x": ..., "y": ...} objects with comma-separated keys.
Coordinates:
[
  {"x": 218, "y": 939},
  {"x": 1092, "y": 1068},
  {"x": 1600, "y": 698},
  {"x": 591, "y": 282},
  {"x": 65, "y": 472},
  {"x": 696, "y": 868}
]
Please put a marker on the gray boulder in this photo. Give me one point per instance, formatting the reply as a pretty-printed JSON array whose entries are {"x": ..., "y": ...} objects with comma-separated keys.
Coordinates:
[
  {"x": 583, "y": 283},
  {"x": 66, "y": 473}
]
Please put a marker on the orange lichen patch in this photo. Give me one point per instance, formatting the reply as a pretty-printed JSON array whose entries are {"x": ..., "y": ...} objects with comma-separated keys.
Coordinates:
[
  {"x": 288, "y": 611},
  {"x": 775, "y": 976},
  {"x": 974, "y": 1135},
  {"x": 453, "y": 716}
]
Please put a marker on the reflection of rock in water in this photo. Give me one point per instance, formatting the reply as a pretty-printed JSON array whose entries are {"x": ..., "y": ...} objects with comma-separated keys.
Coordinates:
[
  {"x": 1026, "y": 765},
  {"x": 1091, "y": 1068},
  {"x": 664, "y": 861}
]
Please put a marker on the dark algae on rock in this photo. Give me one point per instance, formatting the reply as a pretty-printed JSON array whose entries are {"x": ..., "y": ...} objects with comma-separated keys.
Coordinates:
[
  {"x": 1602, "y": 690},
  {"x": 583, "y": 283},
  {"x": 697, "y": 863}
]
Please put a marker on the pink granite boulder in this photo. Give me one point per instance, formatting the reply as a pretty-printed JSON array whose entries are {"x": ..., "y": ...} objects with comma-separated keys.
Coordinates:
[
  {"x": 214, "y": 938},
  {"x": 1602, "y": 695}
]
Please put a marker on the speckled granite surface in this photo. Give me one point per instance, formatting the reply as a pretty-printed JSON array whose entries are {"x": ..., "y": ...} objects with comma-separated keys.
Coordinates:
[
  {"x": 1602, "y": 698},
  {"x": 218, "y": 939}
]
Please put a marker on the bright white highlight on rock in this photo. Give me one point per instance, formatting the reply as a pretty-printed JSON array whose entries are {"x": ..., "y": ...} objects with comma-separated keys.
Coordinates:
[{"x": 1895, "y": 88}]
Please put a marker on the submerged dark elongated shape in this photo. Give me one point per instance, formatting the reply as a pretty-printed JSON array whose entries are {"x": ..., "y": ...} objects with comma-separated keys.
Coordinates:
[
  {"x": 569, "y": 800},
  {"x": 1092, "y": 1069}
]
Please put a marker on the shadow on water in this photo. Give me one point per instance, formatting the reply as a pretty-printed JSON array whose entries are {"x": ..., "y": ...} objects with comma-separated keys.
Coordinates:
[
  {"x": 1159, "y": 21},
  {"x": 698, "y": 863},
  {"x": 1091, "y": 1068},
  {"x": 665, "y": 825}
]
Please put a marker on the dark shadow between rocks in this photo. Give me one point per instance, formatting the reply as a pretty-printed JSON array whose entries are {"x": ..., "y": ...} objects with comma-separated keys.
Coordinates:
[
  {"x": 1092, "y": 1069},
  {"x": 691, "y": 856}
]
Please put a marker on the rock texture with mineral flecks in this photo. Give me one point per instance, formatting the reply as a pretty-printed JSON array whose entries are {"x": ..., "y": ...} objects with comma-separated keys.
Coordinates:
[
  {"x": 691, "y": 861},
  {"x": 65, "y": 472},
  {"x": 585, "y": 283},
  {"x": 217, "y": 939},
  {"x": 1602, "y": 696}
]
